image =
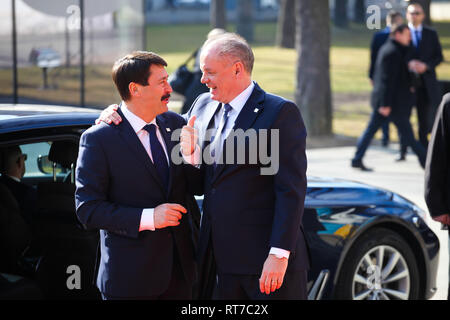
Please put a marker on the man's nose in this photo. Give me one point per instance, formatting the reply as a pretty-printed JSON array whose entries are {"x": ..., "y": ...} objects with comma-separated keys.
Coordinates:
[
  {"x": 204, "y": 79},
  {"x": 169, "y": 88}
]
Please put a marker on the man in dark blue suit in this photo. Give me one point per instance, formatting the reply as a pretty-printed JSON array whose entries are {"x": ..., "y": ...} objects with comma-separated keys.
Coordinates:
[
  {"x": 128, "y": 188},
  {"x": 379, "y": 38},
  {"x": 252, "y": 220}
]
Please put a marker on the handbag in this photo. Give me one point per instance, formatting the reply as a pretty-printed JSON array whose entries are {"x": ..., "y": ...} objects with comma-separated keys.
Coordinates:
[{"x": 182, "y": 77}]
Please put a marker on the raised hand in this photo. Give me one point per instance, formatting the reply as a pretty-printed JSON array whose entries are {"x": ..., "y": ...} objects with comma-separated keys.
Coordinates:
[{"x": 188, "y": 137}]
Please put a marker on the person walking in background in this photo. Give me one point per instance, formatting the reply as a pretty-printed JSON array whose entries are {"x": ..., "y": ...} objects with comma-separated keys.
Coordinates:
[
  {"x": 437, "y": 168},
  {"x": 425, "y": 55},
  {"x": 392, "y": 96},
  {"x": 379, "y": 38}
]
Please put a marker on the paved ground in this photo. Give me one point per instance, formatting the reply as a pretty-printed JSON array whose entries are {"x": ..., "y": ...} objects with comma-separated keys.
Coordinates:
[{"x": 405, "y": 178}]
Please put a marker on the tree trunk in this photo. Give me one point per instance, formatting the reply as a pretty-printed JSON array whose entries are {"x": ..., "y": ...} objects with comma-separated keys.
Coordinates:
[
  {"x": 426, "y": 9},
  {"x": 286, "y": 24},
  {"x": 340, "y": 13},
  {"x": 359, "y": 11},
  {"x": 217, "y": 14},
  {"x": 313, "y": 89},
  {"x": 245, "y": 19}
]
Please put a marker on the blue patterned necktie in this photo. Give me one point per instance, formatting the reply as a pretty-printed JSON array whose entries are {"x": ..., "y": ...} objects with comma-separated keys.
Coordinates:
[
  {"x": 158, "y": 155},
  {"x": 217, "y": 141},
  {"x": 417, "y": 33}
]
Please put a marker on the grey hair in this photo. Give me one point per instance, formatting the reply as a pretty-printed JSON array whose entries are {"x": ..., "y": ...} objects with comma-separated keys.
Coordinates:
[{"x": 234, "y": 46}]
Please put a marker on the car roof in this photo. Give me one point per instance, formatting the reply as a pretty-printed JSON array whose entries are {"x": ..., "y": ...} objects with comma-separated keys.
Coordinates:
[{"x": 15, "y": 118}]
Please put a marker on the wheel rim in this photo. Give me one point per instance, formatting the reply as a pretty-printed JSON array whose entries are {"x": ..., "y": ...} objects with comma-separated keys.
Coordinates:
[{"x": 381, "y": 274}]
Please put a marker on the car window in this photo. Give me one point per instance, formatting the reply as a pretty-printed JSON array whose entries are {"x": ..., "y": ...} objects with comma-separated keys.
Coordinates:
[{"x": 37, "y": 163}]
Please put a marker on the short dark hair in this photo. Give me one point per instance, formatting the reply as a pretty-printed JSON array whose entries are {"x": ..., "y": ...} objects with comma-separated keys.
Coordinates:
[
  {"x": 398, "y": 28},
  {"x": 9, "y": 157},
  {"x": 134, "y": 67}
]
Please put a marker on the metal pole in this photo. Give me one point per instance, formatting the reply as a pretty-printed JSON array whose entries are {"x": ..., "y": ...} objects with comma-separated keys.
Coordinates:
[
  {"x": 82, "y": 75},
  {"x": 144, "y": 34},
  {"x": 14, "y": 52}
]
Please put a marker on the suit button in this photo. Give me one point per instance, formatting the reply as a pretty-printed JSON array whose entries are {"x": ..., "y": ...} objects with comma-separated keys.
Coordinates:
[{"x": 213, "y": 191}]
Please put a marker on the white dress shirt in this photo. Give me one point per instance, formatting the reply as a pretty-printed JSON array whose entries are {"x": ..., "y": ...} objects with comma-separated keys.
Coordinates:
[
  {"x": 147, "y": 217},
  {"x": 14, "y": 178}
]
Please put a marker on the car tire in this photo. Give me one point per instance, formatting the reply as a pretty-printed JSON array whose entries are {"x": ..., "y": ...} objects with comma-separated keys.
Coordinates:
[{"x": 366, "y": 276}]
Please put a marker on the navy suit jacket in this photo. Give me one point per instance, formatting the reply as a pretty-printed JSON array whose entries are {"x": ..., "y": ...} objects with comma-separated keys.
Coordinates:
[
  {"x": 246, "y": 213},
  {"x": 115, "y": 180}
]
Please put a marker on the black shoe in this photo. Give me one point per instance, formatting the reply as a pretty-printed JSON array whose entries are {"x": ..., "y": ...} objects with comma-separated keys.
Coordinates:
[
  {"x": 360, "y": 165},
  {"x": 401, "y": 157}
]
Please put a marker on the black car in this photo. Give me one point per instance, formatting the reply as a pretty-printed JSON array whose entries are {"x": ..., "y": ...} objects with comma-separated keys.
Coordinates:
[{"x": 365, "y": 243}]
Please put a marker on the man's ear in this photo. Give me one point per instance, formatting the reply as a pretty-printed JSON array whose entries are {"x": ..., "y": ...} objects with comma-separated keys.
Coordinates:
[
  {"x": 238, "y": 68},
  {"x": 133, "y": 88}
]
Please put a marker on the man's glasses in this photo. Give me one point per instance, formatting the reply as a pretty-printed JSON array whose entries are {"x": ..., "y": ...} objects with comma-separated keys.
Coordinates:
[{"x": 415, "y": 13}]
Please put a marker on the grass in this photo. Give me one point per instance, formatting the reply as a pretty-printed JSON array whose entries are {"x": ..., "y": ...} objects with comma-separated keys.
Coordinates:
[{"x": 274, "y": 69}]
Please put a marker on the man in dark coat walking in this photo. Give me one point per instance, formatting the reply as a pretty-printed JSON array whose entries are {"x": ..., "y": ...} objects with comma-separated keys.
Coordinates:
[{"x": 392, "y": 96}]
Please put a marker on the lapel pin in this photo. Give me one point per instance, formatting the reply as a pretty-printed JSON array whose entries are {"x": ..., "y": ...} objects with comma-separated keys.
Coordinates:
[
  {"x": 168, "y": 129},
  {"x": 256, "y": 110}
]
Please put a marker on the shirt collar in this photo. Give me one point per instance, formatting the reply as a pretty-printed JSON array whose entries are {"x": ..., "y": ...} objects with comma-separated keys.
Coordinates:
[
  {"x": 411, "y": 26},
  {"x": 238, "y": 103},
  {"x": 136, "y": 123},
  {"x": 14, "y": 178}
]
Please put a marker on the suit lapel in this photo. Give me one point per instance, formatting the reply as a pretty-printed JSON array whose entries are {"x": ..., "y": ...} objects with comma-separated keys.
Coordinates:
[
  {"x": 246, "y": 118},
  {"x": 207, "y": 122},
  {"x": 128, "y": 135}
]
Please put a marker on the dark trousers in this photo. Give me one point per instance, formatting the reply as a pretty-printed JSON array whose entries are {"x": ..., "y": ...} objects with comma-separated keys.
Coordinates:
[
  {"x": 246, "y": 287},
  {"x": 405, "y": 131},
  {"x": 178, "y": 288},
  {"x": 424, "y": 115},
  {"x": 385, "y": 129}
]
